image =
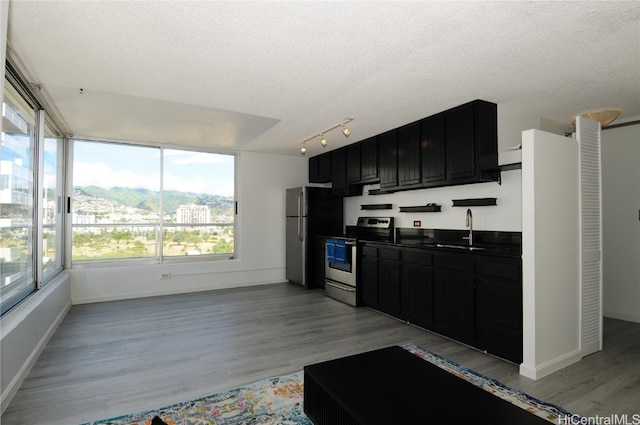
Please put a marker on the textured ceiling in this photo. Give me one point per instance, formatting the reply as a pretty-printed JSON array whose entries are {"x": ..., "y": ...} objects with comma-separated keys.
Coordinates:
[{"x": 263, "y": 76}]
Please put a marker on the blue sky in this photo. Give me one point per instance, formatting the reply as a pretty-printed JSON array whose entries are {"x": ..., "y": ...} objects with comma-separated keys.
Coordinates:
[{"x": 109, "y": 165}]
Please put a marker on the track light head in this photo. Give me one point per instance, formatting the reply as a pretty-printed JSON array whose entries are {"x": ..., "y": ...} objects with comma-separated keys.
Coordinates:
[{"x": 323, "y": 140}]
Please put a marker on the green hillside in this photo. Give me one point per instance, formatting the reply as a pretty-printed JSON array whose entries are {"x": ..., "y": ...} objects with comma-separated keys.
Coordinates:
[{"x": 150, "y": 200}]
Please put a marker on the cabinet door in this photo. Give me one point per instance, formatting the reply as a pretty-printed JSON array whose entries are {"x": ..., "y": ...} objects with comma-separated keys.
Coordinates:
[
  {"x": 433, "y": 149},
  {"x": 369, "y": 281},
  {"x": 338, "y": 172},
  {"x": 417, "y": 294},
  {"x": 500, "y": 317},
  {"x": 388, "y": 159},
  {"x": 454, "y": 305},
  {"x": 460, "y": 143},
  {"x": 320, "y": 168},
  {"x": 354, "y": 163},
  {"x": 369, "y": 160},
  {"x": 313, "y": 169},
  {"x": 389, "y": 286},
  {"x": 409, "y": 155}
]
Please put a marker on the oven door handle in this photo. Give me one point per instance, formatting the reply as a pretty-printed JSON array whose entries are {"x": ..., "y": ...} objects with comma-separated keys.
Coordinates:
[{"x": 340, "y": 286}]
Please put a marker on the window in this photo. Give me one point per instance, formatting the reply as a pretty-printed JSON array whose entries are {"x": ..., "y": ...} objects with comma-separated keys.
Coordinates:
[
  {"x": 31, "y": 195},
  {"x": 143, "y": 202},
  {"x": 52, "y": 202},
  {"x": 17, "y": 168}
]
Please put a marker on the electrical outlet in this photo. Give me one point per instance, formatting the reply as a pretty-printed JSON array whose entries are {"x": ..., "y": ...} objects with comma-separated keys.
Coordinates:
[
  {"x": 417, "y": 223},
  {"x": 165, "y": 276}
]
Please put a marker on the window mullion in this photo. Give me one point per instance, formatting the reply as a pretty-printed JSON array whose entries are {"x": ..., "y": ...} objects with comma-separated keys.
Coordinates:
[{"x": 38, "y": 199}]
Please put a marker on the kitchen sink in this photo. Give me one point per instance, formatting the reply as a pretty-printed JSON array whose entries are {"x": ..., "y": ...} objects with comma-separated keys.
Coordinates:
[{"x": 463, "y": 247}]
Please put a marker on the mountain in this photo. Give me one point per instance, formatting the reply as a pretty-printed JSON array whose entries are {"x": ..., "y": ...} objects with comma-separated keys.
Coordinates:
[{"x": 150, "y": 200}]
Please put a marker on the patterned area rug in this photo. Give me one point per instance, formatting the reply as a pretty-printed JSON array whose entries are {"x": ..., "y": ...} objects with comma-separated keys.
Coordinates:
[{"x": 278, "y": 401}]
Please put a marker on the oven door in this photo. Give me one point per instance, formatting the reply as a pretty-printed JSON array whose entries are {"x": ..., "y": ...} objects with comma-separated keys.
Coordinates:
[{"x": 342, "y": 271}]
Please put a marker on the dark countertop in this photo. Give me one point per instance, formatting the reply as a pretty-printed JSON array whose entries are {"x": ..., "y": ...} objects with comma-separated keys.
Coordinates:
[{"x": 496, "y": 243}]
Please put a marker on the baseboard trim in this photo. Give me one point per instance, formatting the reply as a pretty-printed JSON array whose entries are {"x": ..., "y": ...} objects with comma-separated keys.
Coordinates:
[{"x": 551, "y": 366}]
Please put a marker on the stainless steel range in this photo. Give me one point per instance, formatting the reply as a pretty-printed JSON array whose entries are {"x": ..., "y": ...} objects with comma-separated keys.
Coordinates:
[{"x": 341, "y": 254}]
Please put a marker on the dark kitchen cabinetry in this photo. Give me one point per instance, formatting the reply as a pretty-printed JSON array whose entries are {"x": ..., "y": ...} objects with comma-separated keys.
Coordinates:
[
  {"x": 417, "y": 287},
  {"x": 388, "y": 159},
  {"x": 354, "y": 163},
  {"x": 457, "y": 146},
  {"x": 472, "y": 298},
  {"x": 500, "y": 307},
  {"x": 369, "y": 276},
  {"x": 432, "y": 150},
  {"x": 369, "y": 160},
  {"x": 409, "y": 172},
  {"x": 454, "y": 297},
  {"x": 471, "y": 134},
  {"x": 339, "y": 172},
  {"x": 320, "y": 168},
  {"x": 319, "y": 256},
  {"x": 389, "y": 281}
]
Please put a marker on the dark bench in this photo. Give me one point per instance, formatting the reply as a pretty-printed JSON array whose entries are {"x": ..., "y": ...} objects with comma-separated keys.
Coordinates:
[{"x": 392, "y": 386}]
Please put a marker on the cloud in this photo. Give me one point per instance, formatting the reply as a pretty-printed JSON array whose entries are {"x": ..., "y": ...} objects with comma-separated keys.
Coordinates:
[{"x": 102, "y": 175}]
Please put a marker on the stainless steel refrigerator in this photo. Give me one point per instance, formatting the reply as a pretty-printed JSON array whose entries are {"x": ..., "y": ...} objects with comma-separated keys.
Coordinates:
[{"x": 311, "y": 213}]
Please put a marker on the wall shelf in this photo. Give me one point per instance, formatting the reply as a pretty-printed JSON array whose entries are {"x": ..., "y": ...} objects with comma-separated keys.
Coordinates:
[
  {"x": 376, "y": 207},
  {"x": 474, "y": 202},
  {"x": 422, "y": 208}
]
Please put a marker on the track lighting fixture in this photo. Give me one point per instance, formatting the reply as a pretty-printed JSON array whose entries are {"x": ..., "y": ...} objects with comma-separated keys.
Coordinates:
[{"x": 323, "y": 139}]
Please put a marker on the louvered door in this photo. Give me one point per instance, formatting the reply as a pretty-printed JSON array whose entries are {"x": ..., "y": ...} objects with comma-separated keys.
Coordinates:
[{"x": 588, "y": 136}]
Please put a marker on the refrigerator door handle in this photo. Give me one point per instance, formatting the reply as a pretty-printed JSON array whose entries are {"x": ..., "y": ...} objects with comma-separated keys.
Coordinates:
[{"x": 300, "y": 230}]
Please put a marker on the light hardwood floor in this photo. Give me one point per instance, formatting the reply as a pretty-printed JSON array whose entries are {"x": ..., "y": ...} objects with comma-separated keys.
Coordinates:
[{"x": 120, "y": 357}]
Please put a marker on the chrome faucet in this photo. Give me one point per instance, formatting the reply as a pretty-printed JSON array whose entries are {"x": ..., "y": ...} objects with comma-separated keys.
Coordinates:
[{"x": 470, "y": 226}]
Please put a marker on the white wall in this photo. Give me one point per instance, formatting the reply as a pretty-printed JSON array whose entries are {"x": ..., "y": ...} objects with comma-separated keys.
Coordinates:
[
  {"x": 621, "y": 223},
  {"x": 550, "y": 266},
  {"x": 25, "y": 332},
  {"x": 260, "y": 234},
  {"x": 505, "y": 216}
]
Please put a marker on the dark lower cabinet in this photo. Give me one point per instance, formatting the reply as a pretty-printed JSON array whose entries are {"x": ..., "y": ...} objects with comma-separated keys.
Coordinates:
[
  {"x": 389, "y": 281},
  {"x": 500, "y": 308},
  {"x": 454, "y": 310},
  {"x": 369, "y": 276},
  {"x": 474, "y": 299},
  {"x": 417, "y": 287}
]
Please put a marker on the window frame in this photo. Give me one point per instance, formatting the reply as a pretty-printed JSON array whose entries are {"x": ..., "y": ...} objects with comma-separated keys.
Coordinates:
[
  {"x": 40, "y": 116},
  {"x": 159, "y": 258}
]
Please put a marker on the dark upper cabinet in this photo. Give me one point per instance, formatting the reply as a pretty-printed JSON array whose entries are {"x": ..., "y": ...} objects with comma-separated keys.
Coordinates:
[
  {"x": 320, "y": 168},
  {"x": 339, "y": 172},
  {"x": 369, "y": 160},
  {"x": 354, "y": 163},
  {"x": 432, "y": 150},
  {"x": 457, "y": 146},
  {"x": 471, "y": 142},
  {"x": 388, "y": 159},
  {"x": 460, "y": 146},
  {"x": 409, "y": 172}
]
